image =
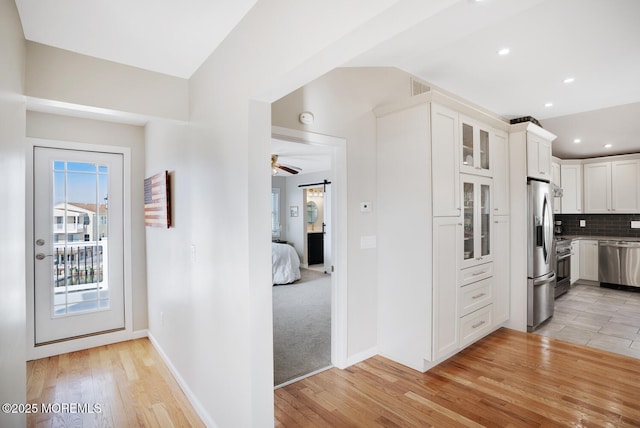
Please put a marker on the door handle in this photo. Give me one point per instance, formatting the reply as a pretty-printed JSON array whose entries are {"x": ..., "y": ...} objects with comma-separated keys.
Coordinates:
[{"x": 42, "y": 256}]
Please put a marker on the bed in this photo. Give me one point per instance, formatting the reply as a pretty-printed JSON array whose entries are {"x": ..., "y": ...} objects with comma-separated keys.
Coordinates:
[{"x": 285, "y": 264}]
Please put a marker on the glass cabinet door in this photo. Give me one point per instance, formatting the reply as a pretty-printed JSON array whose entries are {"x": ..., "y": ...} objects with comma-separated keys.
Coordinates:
[
  {"x": 469, "y": 220},
  {"x": 485, "y": 220},
  {"x": 477, "y": 218},
  {"x": 476, "y": 155}
]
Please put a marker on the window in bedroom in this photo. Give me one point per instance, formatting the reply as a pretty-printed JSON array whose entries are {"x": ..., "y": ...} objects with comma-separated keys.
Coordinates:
[{"x": 275, "y": 213}]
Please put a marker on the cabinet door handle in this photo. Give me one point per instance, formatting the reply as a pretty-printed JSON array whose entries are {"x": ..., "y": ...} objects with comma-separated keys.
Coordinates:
[
  {"x": 477, "y": 324},
  {"x": 482, "y": 272},
  {"x": 477, "y": 296},
  {"x": 542, "y": 173}
]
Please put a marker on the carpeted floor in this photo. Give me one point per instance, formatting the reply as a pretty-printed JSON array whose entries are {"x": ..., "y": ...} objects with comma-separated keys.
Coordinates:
[{"x": 301, "y": 326}]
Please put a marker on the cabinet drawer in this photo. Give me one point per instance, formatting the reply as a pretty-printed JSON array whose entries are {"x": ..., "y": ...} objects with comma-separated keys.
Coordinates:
[
  {"x": 475, "y": 296},
  {"x": 475, "y": 325},
  {"x": 475, "y": 273}
]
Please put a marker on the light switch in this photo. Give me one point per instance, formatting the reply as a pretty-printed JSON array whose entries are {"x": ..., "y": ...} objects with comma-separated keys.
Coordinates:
[
  {"x": 635, "y": 225},
  {"x": 368, "y": 241},
  {"x": 583, "y": 223}
]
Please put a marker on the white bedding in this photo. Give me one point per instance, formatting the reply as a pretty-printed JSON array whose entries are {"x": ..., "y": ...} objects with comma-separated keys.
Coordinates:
[{"x": 286, "y": 263}]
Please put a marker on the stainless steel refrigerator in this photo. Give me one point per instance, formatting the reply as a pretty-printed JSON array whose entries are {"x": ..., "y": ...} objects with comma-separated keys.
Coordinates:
[{"x": 541, "y": 254}]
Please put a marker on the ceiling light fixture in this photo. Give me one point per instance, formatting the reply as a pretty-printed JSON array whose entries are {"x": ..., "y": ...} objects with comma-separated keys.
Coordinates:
[
  {"x": 608, "y": 146},
  {"x": 504, "y": 51},
  {"x": 548, "y": 105},
  {"x": 568, "y": 80},
  {"x": 577, "y": 140}
]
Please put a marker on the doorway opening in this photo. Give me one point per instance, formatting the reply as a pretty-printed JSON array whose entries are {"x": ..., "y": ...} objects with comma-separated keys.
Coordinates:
[{"x": 313, "y": 217}]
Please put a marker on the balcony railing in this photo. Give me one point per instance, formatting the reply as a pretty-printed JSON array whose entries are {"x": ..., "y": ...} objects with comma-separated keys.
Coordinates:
[{"x": 82, "y": 263}]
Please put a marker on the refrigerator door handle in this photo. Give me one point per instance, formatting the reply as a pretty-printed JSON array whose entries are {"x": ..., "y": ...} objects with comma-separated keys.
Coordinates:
[{"x": 550, "y": 277}]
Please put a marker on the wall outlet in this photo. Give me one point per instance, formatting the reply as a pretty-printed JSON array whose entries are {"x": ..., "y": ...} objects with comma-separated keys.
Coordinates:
[
  {"x": 635, "y": 225},
  {"x": 583, "y": 223}
]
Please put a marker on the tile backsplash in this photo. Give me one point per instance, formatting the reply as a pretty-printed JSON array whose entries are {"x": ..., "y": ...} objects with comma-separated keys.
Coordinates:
[{"x": 599, "y": 224}]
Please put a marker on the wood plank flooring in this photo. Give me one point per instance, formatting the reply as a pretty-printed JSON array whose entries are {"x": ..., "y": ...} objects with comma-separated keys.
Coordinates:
[
  {"x": 124, "y": 385},
  {"x": 506, "y": 379}
]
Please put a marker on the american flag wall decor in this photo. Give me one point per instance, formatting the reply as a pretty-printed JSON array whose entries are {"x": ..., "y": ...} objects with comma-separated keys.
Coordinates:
[{"x": 157, "y": 207}]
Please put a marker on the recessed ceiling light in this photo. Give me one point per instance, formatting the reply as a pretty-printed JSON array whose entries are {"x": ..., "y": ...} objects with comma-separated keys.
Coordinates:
[
  {"x": 577, "y": 140},
  {"x": 504, "y": 51},
  {"x": 568, "y": 80},
  {"x": 548, "y": 105},
  {"x": 608, "y": 146}
]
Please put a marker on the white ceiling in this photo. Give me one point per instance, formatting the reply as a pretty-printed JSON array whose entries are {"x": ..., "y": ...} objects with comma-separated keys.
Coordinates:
[
  {"x": 308, "y": 158},
  {"x": 166, "y": 36},
  {"x": 597, "y": 42},
  {"x": 594, "y": 41}
]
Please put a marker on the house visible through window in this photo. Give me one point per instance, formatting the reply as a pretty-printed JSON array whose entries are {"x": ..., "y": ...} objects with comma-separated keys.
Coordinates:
[{"x": 275, "y": 213}]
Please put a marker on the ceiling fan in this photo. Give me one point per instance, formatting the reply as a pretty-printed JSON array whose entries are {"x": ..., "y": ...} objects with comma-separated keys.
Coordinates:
[{"x": 288, "y": 168}]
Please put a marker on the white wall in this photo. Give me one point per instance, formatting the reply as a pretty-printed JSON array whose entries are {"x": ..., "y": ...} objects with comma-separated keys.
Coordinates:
[
  {"x": 91, "y": 132},
  {"x": 56, "y": 74},
  {"x": 342, "y": 102},
  {"x": 13, "y": 383}
]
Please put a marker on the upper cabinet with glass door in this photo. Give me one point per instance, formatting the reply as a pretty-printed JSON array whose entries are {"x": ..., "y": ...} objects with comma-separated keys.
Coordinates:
[{"x": 476, "y": 149}]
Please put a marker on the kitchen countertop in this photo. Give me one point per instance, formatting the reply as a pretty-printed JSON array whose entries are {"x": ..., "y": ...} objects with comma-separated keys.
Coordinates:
[{"x": 599, "y": 238}]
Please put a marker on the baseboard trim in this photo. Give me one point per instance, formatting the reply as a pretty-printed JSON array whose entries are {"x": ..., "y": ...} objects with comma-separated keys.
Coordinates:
[
  {"x": 197, "y": 405},
  {"x": 360, "y": 356}
]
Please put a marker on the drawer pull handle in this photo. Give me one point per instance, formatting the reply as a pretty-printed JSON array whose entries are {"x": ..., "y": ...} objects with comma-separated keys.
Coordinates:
[
  {"x": 482, "y": 272},
  {"x": 477, "y": 324},
  {"x": 477, "y": 296}
]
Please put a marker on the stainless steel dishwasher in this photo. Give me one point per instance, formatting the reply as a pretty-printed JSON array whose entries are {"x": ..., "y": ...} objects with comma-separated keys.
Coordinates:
[{"x": 619, "y": 262}]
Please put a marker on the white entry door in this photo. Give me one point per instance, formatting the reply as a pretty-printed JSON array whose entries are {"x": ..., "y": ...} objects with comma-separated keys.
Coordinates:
[{"x": 78, "y": 244}]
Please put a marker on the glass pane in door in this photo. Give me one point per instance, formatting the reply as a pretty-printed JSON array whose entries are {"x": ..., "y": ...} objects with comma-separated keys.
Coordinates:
[
  {"x": 467, "y": 145},
  {"x": 484, "y": 149},
  {"x": 485, "y": 220},
  {"x": 468, "y": 192},
  {"x": 80, "y": 235}
]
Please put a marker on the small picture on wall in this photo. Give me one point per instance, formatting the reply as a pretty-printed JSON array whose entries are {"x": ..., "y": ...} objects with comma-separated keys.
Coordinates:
[{"x": 293, "y": 211}]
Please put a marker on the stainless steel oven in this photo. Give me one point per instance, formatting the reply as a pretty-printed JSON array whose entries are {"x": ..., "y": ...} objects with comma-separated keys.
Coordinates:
[{"x": 563, "y": 266}]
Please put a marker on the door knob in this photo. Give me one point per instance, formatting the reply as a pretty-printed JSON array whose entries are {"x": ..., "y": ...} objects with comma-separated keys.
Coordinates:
[{"x": 42, "y": 256}]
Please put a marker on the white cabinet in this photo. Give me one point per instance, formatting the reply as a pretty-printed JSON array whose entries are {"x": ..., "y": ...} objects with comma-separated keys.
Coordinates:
[
  {"x": 612, "y": 187},
  {"x": 538, "y": 157},
  {"x": 555, "y": 179},
  {"x": 477, "y": 218},
  {"x": 625, "y": 186},
  {"x": 589, "y": 259},
  {"x": 445, "y": 148},
  {"x": 575, "y": 261},
  {"x": 500, "y": 168},
  {"x": 446, "y": 238},
  {"x": 501, "y": 257},
  {"x": 571, "y": 180},
  {"x": 475, "y": 156},
  {"x": 597, "y": 187}
]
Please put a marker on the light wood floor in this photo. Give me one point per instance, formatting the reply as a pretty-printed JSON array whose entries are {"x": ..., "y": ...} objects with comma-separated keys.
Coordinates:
[
  {"x": 507, "y": 379},
  {"x": 128, "y": 382}
]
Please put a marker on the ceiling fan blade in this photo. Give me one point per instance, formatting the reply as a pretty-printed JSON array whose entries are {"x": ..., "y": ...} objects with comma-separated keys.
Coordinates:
[{"x": 286, "y": 168}]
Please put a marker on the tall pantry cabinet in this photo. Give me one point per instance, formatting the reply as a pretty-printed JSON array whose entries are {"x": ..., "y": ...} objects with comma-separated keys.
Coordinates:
[{"x": 443, "y": 201}]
